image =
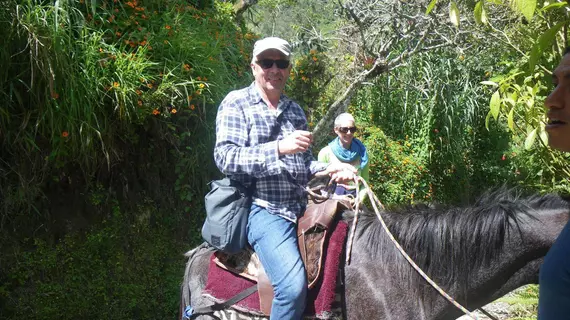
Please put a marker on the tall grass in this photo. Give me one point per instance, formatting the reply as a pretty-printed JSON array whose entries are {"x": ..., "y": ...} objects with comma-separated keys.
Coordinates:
[
  {"x": 77, "y": 75},
  {"x": 435, "y": 110}
]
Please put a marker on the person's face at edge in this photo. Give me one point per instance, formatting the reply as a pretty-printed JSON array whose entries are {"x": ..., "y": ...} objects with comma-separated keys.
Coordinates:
[
  {"x": 345, "y": 138},
  {"x": 271, "y": 80},
  {"x": 558, "y": 105}
]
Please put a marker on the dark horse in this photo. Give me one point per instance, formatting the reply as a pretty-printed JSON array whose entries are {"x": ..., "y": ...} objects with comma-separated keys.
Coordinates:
[{"x": 477, "y": 254}]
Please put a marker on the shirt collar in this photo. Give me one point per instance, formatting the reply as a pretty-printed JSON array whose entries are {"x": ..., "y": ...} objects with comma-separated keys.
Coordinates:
[{"x": 255, "y": 95}]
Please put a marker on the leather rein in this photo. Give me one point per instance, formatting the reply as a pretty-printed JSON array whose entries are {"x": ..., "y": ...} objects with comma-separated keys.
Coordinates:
[{"x": 375, "y": 204}]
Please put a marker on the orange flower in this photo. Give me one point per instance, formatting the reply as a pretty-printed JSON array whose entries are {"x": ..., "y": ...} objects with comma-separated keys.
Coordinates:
[
  {"x": 199, "y": 78},
  {"x": 118, "y": 34},
  {"x": 192, "y": 107},
  {"x": 138, "y": 92},
  {"x": 149, "y": 85},
  {"x": 100, "y": 49},
  {"x": 173, "y": 110},
  {"x": 168, "y": 27},
  {"x": 187, "y": 67},
  {"x": 65, "y": 134},
  {"x": 315, "y": 59},
  {"x": 155, "y": 112},
  {"x": 54, "y": 95},
  {"x": 116, "y": 84}
]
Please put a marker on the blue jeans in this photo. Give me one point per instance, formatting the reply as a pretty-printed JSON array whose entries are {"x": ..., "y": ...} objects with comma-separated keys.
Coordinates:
[
  {"x": 554, "y": 280},
  {"x": 274, "y": 239}
]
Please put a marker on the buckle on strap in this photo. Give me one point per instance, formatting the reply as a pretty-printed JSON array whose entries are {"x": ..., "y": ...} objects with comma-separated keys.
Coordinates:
[{"x": 188, "y": 311}]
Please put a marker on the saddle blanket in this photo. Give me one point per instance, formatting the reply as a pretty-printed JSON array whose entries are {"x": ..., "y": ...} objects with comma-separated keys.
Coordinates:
[{"x": 222, "y": 285}]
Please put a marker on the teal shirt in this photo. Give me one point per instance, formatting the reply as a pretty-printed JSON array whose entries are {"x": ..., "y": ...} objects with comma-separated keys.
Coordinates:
[{"x": 327, "y": 156}]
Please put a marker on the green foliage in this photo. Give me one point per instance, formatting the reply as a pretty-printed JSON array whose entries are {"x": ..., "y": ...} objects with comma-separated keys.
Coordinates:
[
  {"x": 77, "y": 81},
  {"x": 400, "y": 174},
  {"x": 127, "y": 268},
  {"x": 518, "y": 92},
  {"x": 434, "y": 110},
  {"x": 106, "y": 131},
  {"x": 308, "y": 82},
  {"x": 523, "y": 303}
]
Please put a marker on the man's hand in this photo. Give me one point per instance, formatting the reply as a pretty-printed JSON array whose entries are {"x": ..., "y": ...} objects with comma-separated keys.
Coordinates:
[
  {"x": 298, "y": 141},
  {"x": 339, "y": 172}
]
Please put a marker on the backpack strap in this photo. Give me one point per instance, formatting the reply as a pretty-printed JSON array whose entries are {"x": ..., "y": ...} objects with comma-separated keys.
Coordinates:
[{"x": 190, "y": 313}]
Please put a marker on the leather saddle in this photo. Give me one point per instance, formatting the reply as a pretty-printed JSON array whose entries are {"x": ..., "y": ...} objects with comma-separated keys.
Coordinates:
[{"x": 312, "y": 231}]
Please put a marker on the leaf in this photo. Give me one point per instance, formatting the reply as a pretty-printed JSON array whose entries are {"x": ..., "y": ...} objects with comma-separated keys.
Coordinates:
[
  {"x": 555, "y": 5},
  {"x": 530, "y": 138},
  {"x": 526, "y": 7},
  {"x": 510, "y": 120},
  {"x": 484, "y": 19},
  {"x": 479, "y": 13},
  {"x": 545, "y": 40},
  {"x": 544, "y": 136},
  {"x": 430, "y": 6},
  {"x": 56, "y": 11},
  {"x": 489, "y": 83},
  {"x": 487, "y": 120},
  {"x": 454, "y": 13},
  {"x": 495, "y": 104}
]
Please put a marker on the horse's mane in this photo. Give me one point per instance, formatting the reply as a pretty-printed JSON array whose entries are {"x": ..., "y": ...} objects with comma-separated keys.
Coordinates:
[{"x": 450, "y": 244}]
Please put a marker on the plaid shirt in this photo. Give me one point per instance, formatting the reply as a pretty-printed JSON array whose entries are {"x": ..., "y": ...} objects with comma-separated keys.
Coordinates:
[{"x": 246, "y": 150}]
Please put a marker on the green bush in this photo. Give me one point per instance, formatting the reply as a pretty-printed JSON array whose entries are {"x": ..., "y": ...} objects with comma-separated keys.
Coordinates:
[
  {"x": 119, "y": 270},
  {"x": 107, "y": 129}
]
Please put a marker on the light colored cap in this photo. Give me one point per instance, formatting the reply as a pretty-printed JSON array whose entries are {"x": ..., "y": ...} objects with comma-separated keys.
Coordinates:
[{"x": 272, "y": 43}]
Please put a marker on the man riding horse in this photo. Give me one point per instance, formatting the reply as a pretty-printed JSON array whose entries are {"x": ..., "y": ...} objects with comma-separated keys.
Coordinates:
[{"x": 262, "y": 141}]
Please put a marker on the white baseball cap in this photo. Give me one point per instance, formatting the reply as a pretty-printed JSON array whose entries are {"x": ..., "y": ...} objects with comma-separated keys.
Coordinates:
[{"x": 272, "y": 43}]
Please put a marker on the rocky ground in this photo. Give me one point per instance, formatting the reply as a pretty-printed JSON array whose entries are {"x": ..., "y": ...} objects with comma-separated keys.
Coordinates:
[
  {"x": 500, "y": 310},
  {"x": 503, "y": 310}
]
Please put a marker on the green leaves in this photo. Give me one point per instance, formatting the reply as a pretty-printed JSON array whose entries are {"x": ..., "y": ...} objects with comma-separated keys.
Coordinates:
[
  {"x": 479, "y": 13},
  {"x": 431, "y": 6},
  {"x": 495, "y": 104},
  {"x": 530, "y": 138},
  {"x": 544, "y": 41},
  {"x": 526, "y": 7}
]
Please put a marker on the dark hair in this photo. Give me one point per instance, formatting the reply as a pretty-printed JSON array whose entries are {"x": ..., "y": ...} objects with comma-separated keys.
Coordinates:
[{"x": 566, "y": 51}]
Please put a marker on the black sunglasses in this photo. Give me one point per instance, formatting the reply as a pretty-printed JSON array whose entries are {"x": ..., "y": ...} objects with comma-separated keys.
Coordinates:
[
  {"x": 268, "y": 63},
  {"x": 347, "y": 129}
]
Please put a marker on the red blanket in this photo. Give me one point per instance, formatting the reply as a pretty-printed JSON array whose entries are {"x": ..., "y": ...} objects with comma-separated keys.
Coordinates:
[{"x": 223, "y": 285}]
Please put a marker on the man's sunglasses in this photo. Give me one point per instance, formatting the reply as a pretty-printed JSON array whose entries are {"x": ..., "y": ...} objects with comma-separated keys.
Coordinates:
[
  {"x": 347, "y": 129},
  {"x": 268, "y": 63}
]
